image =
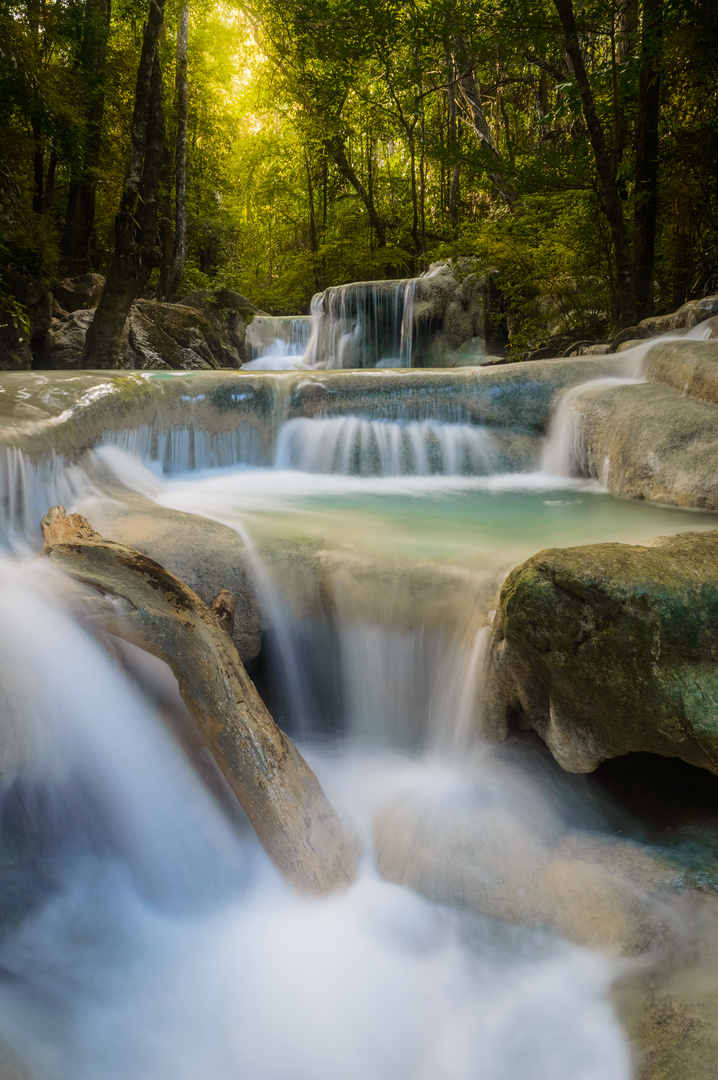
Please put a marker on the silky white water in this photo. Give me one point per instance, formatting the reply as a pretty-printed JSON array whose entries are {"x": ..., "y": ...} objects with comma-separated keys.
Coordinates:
[
  {"x": 165, "y": 945},
  {"x": 158, "y": 942}
]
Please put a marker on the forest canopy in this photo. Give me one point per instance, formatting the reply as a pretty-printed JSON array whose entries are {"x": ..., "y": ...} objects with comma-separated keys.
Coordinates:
[{"x": 571, "y": 149}]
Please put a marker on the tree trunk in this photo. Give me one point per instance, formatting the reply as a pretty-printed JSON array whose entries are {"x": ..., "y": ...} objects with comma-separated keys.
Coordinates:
[
  {"x": 80, "y": 215},
  {"x": 313, "y": 236},
  {"x": 336, "y": 150},
  {"x": 646, "y": 208},
  {"x": 166, "y": 231},
  {"x": 136, "y": 249},
  {"x": 281, "y": 796},
  {"x": 38, "y": 165},
  {"x": 498, "y": 171},
  {"x": 625, "y": 286},
  {"x": 179, "y": 257}
]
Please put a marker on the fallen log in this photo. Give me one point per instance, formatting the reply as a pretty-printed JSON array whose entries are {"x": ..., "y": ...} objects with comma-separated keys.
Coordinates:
[{"x": 294, "y": 820}]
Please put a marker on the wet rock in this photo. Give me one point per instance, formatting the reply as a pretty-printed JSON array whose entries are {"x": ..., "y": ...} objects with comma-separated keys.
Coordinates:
[
  {"x": 510, "y": 863},
  {"x": 574, "y": 348},
  {"x": 634, "y": 334},
  {"x": 688, "y": 367},
  {"x": 601, "y": 348},
  {"x": 608, "y": 649},
  {"x": 692, "y": 313},
  {"x": 669, "y": 1008},
  {"x": 80, "y": 293},
  {"x": 646, "y": 441},
  {"x": 229, "y": 312},
  {"x": 176, "y": 337}
]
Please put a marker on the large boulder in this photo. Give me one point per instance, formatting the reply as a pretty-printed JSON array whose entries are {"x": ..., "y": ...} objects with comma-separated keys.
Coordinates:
[
  {"x": 174, "y": 336},
  {"x": 608, "y": 649},
  {"x": 169, "y": 337},
  {"x": 80, "y": 293},
  {"x": 229, "y": 312},
  {"x": 645, "y": 441},
  {"x": 505, "y": 855}
]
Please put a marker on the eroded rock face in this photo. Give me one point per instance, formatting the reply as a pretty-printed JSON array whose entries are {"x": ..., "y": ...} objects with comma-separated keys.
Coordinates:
[
  {"x": 68, "y": 340},
  {"x": 692, "y": 313},
  {"x": 608, "y": 649},
  {"x": 646, "y": 441}
]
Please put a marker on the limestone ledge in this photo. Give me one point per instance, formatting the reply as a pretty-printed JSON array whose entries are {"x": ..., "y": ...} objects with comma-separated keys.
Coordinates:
[{"x": 67, "y": 412}]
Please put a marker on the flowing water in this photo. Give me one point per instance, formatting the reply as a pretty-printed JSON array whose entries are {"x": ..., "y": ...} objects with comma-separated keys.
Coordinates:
[{"x": 158, "y": 942}]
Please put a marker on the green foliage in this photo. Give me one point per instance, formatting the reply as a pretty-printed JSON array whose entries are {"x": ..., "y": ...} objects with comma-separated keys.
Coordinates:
[{"x": 326, "y": 137}]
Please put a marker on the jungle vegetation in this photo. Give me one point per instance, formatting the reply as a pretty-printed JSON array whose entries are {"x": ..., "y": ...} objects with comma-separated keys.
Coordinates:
[{"x": 276, "y": 147}]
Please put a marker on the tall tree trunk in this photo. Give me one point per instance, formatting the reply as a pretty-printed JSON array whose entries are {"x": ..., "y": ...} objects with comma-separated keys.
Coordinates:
[
  {"x": 646, "y": 209},
  {"x": 136, "y": 248},
  {"x": 414, "y": 196},
  {"x": 335, "y": 148},
  {"x": 498, "y": 171},
  {"x": 313, "y": 236},
  {"x": 165, "y": 224},
  {"x": 38, "y": 165},
  {"x": 454, "y": 145},
  {"x": 625, "y": 287},
  {"x": 80, "y": 215},
  {"x": 179, "y": 257}
]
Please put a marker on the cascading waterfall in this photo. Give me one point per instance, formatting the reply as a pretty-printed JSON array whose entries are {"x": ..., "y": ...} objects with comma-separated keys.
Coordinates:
[
  {"x": 155, "y": 941},
  {"x": 369, "y": 324},
  {"x": 28, "y": 488},
  {"x": 167, "y": 947},
  {"x": 274, "y": 339},
  {"x": 353, "y": 446},
  {"x": 180, "y": 449},
  {"x": 563, "y": 454}
]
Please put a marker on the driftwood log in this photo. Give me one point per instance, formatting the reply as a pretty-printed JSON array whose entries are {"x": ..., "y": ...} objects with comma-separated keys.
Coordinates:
[{"x": 280, "y": 794}]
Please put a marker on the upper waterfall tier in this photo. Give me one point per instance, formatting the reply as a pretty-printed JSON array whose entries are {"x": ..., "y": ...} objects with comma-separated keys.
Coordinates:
[{"x": 436, "y": 320}]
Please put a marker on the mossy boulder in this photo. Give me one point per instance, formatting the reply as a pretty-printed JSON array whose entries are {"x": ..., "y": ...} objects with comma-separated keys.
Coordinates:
[{"x": 608, "y": 649}]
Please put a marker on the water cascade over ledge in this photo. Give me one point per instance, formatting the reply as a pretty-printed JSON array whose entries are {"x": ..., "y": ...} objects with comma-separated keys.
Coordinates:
[{"x": 370, "y": 518}]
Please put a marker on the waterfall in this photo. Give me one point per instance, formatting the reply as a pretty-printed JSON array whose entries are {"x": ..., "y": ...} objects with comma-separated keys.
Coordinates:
[
  {"x": 350, "y": 445},
  {"x": 184, "y": 448},
  {"x": 363, "y": 325},
  {"x": 563, "y": 453},
  {"x": 278, "y": 335},
  {"x": 29, "y": 488}
]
